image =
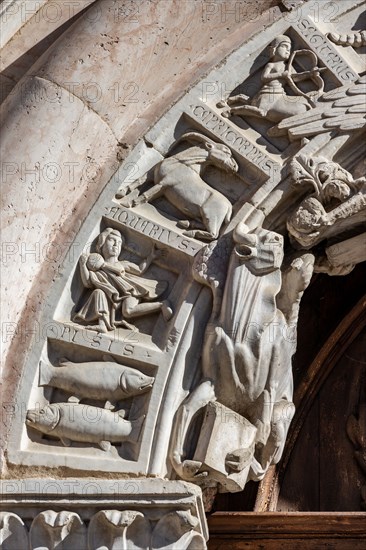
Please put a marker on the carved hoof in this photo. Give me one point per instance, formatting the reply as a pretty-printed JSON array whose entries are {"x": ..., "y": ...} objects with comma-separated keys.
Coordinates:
[
  {"x": 183, "y": 224},
  {"x": 167, "y": 311},
  {"x": 126, "y": 202},
  {"x": 201, "y": 235},
  {"x": 238, "y": 459},
  {"x": 190, "y": 469},
  {"x": 222, "y": 104},
  {"x": 226, "y": 113},
  {"x": 121, "y": 193}
]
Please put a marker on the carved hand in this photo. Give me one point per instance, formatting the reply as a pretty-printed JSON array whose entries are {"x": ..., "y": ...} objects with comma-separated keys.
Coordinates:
[{"x": 83, "y": 258}]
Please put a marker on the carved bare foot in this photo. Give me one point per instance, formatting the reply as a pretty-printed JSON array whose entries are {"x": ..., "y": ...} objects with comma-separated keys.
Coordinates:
[
  {"x": 127, "y": 325},
  {"x": 238, "y": 459},
  {"x": 100, "y": 327}
]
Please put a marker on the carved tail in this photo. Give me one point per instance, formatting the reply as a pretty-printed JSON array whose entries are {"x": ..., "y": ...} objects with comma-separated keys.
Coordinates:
[
  {"x": 136, "y": 429},
  {"x": 229, "y": 214},
  {"x": 46, "y": 372}
]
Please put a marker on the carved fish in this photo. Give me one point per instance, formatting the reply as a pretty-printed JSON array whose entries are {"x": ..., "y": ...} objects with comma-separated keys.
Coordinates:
[
  {"x": 95, "y": 380},
  {"x": 84, "y": 423}
]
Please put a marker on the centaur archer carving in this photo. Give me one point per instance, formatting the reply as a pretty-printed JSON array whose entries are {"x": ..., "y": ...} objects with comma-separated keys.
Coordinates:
[
  {"x": 178, "y": 179},
  {"x": 273, "y": 101}
]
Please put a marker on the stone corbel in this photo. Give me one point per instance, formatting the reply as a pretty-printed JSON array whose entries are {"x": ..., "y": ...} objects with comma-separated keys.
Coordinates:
[
  {"x": 52, "y": 529},
  {"x": 13, "y": 533},
  {"x": 117, "y": 515},
  {"x": 114, "y": 529}
]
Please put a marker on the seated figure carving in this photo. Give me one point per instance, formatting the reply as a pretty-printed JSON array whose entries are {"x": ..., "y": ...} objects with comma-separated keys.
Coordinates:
[{"x": 117, "y": 288}]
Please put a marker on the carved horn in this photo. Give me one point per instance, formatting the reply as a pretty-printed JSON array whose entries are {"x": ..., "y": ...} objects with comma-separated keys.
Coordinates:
[{"x": 194, "y": 137}]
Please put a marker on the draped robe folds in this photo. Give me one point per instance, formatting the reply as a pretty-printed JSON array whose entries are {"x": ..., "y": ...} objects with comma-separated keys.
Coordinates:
[
  {"x": 111, "y": 289},
  {"x": 248, "y": 354}
]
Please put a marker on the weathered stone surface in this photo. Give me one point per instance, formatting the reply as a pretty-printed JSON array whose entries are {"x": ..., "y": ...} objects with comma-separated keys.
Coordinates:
[{"x": 158, "y": 354}]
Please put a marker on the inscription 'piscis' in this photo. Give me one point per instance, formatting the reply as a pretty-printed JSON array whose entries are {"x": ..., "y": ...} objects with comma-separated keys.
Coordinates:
[
  {"x": 227, "y": 133},
  {"x": 153, "y": 230},
  {"x": 129, "y": 346}
]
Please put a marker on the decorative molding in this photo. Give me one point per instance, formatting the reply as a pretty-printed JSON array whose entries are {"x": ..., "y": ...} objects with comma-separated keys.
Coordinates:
[{"x": 146, "y": 514}]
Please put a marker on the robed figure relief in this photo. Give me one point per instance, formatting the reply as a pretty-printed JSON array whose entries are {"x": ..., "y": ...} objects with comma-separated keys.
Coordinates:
[
  {"x": 246, "y": 364},
  {"x": 118, "y": 292}
]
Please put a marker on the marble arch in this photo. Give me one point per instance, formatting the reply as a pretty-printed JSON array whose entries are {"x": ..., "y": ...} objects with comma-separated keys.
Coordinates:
[{"x": 172, "y": 178}]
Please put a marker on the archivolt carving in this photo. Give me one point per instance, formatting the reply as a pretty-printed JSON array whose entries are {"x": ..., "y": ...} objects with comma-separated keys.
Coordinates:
[
  {"x": 192, "y": 279},
  {"x": 337, "y": 204},
  {"x": 117, "y": 286},
  {"x": 246, "y": 363},
  {"x": 272, "y": 101},
  {"x": 354, "y": 39}
]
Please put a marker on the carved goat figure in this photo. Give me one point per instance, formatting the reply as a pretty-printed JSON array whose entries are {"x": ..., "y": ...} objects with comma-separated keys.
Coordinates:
[{"x": 178, "y": 179}]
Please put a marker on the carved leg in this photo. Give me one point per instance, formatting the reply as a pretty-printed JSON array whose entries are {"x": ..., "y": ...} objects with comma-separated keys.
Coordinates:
[
  {"x": 198, "y": 399},
  {"x": 132, "y": 308},
  {"x": 214, "y": 212},
  {"x": 295, "y": 280},
  {"x": 245, "y": 110},
  {"x": 124, "y": 191}
]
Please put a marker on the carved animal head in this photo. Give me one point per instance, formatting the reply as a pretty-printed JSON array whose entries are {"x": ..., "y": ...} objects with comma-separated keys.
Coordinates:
[
  {"x": 262, "y": 251},
  {"x": 45, "y": 419},
  {"x": 328, "y": 179},
  {"x": 219, "y": 155},
  {"x": 134, "y": 382}
]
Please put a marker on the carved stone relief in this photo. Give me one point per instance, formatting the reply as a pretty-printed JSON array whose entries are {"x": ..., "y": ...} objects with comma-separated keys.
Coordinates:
[
  {"x": 122, "y": 319},
  {"x": 169, "y": 351}
]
